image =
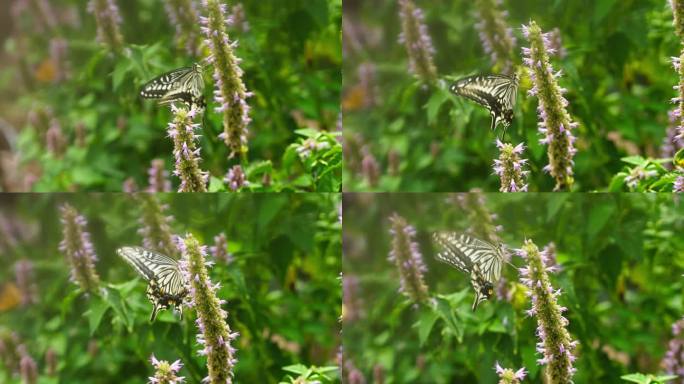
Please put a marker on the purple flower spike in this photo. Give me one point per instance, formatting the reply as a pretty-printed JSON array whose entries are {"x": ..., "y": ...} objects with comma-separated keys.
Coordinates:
[
  {"x": 483, "y": 222},
  {"x": 495, "y": 34},
  {"x": 183, "y": 16},
  {"x": 78, "y": 249},
  {"x": 679, "y": 184},
  {"x": 54, "y": 139},
  {"x": 370, "y": 169},
  {"x": 673, "y": 362},
  {"x": 23, "y": 272},
  {"x": 129, "y": 185},
  {"x": 555, "y": 343},
  {"x": 555, "y": 123},
  {"x": 220, "y": 249},
  {"x": 414, "y": 36},
  {"x": 230, "y": 92},
  {"x": 158, "y": 177},
  {"x": 509, "y": 376},
  {"x": 51, "y": 362},
  {"x": 352, "y": 299},
  {"x": 108, "y": 21},
  {"x": 408, "y": 260},
  {"x": 236, "y": 178},
  {"x": 155, "y": 225},
  {"x": 671, "y": 143},
  {"x": 678, "y": 13},
  {"x": 165, "y": 373},
  {"x": 679, "y": 100},
  {"x": 215, "y": 336},
  {"x": 28, "y": 368},
  {"x": 237, "y": 19},
  {"x": 509, "y": 167},
  {"x": 182, "y": 131}
]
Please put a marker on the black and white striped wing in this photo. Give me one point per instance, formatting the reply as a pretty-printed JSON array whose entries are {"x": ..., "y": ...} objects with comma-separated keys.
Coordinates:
[
  {"x": 497, "y": 93},
  {"x": 450, "y": 253},
  {"x": 184, "y": 85},
  {"x": 160, "y": 270},
  {"x": 467, "y": 250}
]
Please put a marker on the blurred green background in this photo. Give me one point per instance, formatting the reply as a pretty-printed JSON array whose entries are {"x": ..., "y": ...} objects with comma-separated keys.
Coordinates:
[
  {"x": 291, "y": 57},
  {"x": 622, "y": 260},
  {"x": 617, "y": 71},
  {"x": 282, "y": 289}
]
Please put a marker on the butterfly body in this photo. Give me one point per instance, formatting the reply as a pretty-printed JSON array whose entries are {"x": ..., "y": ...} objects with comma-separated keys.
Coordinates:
[
  {"x": 479, "y": 259},
  {"x": 497, "y": 93},
  {"x": 185, "y": 85},
  {"x": 166, "y": 285}
]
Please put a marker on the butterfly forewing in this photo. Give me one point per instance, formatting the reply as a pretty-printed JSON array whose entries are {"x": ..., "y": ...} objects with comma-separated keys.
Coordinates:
[
  {"x": 451, "y": 254},
  {"x": 497, "y": 93}
]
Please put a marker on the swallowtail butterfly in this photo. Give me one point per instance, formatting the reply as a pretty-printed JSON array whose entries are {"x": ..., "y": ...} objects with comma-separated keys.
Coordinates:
[
  {"x": 479, "y": 259},
  {"x": 497, "y": 93},
  {"x": 166, "y": 285},
  {"x": 184, "y": 85}
]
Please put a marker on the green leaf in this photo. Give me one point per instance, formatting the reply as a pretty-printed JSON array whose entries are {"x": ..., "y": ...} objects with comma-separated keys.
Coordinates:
[
  {"x": 599, "y": 216},
  {"x": 216, "y": 184},
  {"x": 425, "y": 323},
  {"x": 98, "y": 308},
  {"x": 634, "y": 160},
  {"x": 556, "y": 202},
  {"x": 116, "y": 302},
  {"x": 433, "y": 105},
  {"x": 299, "y": 369},
  {"x": 444, "y": 310}
]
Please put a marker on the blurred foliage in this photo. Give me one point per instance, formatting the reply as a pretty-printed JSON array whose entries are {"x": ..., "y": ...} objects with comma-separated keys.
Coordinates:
[
  {"x": 290, "y": 55},
  {"x": 621, "y": 280},
  {"x": 617, "y": 71},
  {"x": 282, "y": 289}
]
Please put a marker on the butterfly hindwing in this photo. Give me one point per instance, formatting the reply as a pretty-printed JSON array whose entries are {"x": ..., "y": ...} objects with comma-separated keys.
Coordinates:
[{"x": 497, "y": 93}]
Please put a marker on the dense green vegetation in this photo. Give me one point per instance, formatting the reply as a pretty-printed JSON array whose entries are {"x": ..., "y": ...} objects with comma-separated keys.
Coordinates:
[
  {"x": 621, "y": 260},
  {"x": 280, "y": 283}
]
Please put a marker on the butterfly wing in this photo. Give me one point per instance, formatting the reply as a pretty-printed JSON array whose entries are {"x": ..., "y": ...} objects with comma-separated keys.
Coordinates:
[
  {"x": 450, "y": 253},
  {"x": 162, "y": 84},
  {"x": 185, "y": 85},
  {"x": 497, "y": 93},
  {"x": 488, "y": 257},
  {"x": 468, "y": 250},
  {"x": 166, "y": 285}
]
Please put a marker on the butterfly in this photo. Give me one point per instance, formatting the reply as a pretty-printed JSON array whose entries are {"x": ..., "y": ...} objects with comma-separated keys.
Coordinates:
[
  {"x": 497, "y": 93},
  {"x": 479, "y": 259},
  {"x": 166, "y": 285},
  {"x": 183, "y": 84}
]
